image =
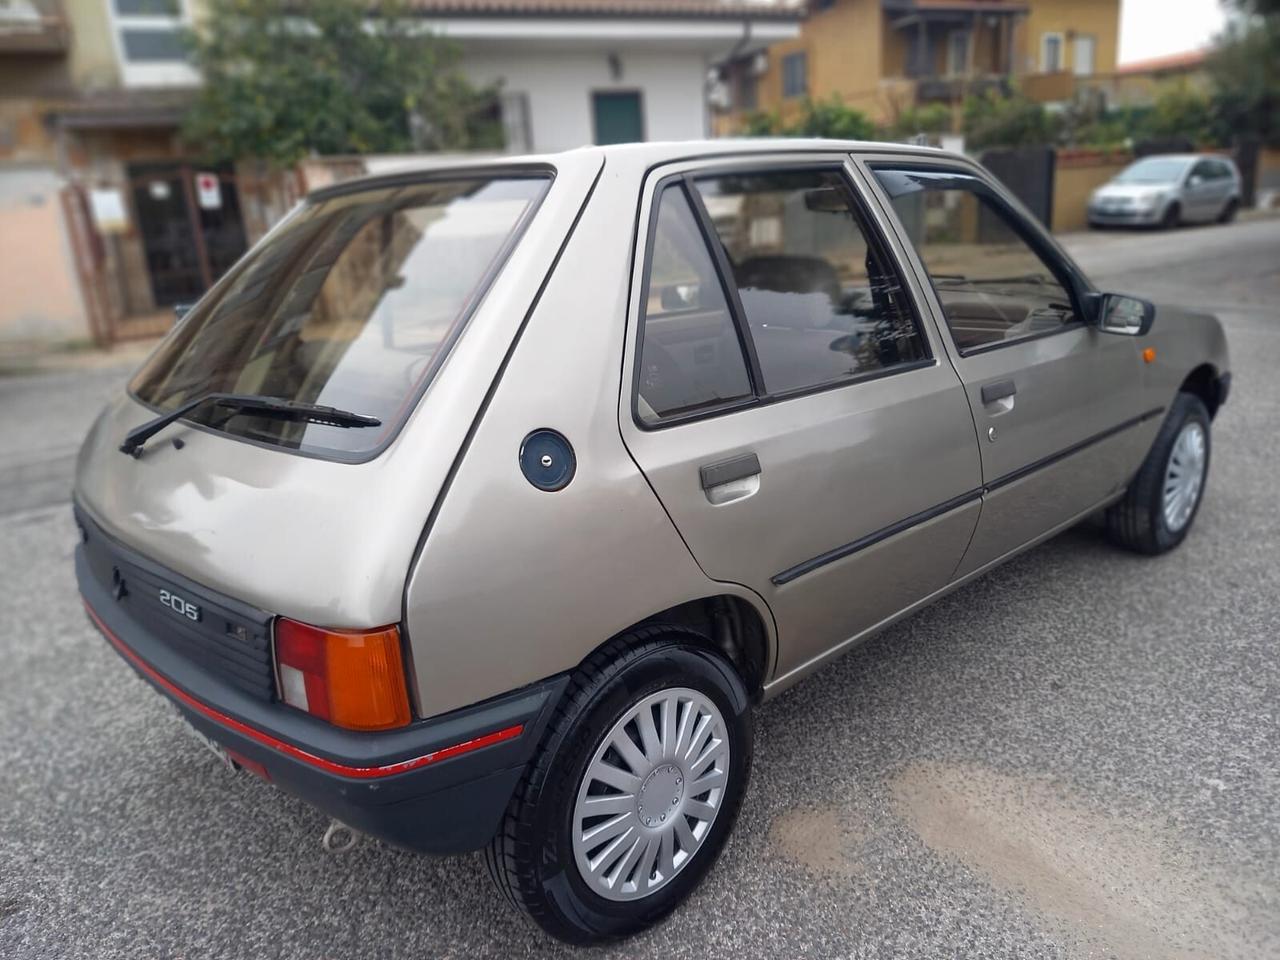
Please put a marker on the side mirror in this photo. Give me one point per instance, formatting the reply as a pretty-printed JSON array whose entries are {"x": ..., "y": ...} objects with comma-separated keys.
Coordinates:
[
  {"x": 180, "y": 310},
  {"x": 1195, "y": 180},
  {"x": 1127, "y": 316}
]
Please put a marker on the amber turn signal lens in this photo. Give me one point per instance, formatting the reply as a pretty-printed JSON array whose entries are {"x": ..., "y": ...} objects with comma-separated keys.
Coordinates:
[
  {"x": 353, "y": 679},
  {"x": 1149, "y": 355}
]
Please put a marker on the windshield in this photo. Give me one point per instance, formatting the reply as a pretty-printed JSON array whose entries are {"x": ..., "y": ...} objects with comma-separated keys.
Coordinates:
[
  {"x": 1153, "y": 170},
  {"x": 351, "y": 303}
]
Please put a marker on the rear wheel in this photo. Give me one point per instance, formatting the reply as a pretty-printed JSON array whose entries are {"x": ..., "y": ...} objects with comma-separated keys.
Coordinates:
[
  {"x": 1172, "y": 218},
  {"x": 633, "y": 792},
  {"x": 1163, "y": 498},
  {"x": 1229, "y": 211}
]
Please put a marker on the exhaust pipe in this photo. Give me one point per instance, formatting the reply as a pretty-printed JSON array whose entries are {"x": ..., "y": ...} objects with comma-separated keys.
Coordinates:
[{"x": 339, "y": 838}]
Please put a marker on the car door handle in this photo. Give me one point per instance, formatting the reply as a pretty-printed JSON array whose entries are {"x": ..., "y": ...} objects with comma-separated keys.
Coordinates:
[
  {"x": 732, "y": 479},
  {"x": 1000, "y": 390}
]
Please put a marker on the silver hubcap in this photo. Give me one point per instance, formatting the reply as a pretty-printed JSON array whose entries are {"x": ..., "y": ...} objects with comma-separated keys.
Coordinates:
[
  {"x": 1184, "y": 476},
  {"x": 650, "y": 794}
]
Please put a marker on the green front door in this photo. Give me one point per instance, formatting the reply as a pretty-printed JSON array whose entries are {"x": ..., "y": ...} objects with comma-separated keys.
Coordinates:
[{"x": 618, "y": 117}]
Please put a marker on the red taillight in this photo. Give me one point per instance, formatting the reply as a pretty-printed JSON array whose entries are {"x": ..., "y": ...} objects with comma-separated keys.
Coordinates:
[{"x": 353, "y": 679}]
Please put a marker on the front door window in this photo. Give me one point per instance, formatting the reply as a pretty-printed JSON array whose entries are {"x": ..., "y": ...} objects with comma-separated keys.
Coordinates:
[{"x": 993, "y": 286}]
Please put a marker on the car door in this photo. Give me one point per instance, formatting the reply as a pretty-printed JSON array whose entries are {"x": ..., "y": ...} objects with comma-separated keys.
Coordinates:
[
  {"x": 1224, "y": 183},
  {"x": 1057, "y": 403},
  {"x": 787, "y": 401},
  {"x": 1202, "y": 192}
]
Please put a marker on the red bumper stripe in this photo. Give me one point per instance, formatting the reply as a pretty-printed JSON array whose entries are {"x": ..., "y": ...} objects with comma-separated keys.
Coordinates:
[{"x": 364, "y": 773}]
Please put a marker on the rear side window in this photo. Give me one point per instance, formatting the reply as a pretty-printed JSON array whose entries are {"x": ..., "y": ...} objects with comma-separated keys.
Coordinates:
[
  {"x": 992, "y": 283},
  {"x": 352, "y": 303},
  {"x": 820, "y": 300},
  {"x": 690, "y": 355}
]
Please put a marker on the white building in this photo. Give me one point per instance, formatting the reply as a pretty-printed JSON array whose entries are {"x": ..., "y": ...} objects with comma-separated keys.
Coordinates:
[{"x": 576, "y": 72}]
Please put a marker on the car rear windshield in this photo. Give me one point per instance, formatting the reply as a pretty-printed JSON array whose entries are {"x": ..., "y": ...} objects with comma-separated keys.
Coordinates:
[{"x": 351, "y": 303}]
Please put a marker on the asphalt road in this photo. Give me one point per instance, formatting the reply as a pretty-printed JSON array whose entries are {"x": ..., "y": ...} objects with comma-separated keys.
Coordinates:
[{"x": 1076, "y": 756}]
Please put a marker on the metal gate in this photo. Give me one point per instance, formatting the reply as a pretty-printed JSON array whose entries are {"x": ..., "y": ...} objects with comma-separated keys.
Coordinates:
[{"x": 1028, "y": 174}]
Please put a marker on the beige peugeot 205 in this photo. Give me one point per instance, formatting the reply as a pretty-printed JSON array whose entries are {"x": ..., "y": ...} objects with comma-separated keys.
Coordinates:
[{"x": 478, "y": 506}]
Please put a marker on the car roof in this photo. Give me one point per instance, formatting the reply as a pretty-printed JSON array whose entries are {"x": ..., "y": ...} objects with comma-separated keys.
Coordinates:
[
  {"x": 1186, "y": 157},
  {"x": 648, "y": 154}
]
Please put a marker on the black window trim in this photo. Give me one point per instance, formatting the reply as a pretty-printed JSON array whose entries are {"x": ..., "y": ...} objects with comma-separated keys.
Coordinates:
[
  {"x": 1073, "y": 281},
  {"x": 719, "y": 258}
]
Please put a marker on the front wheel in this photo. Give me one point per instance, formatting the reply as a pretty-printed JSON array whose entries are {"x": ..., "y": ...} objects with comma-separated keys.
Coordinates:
[
  {"x": 1172, "y": 218},
  {"x": 1164, "y": 497},
  {"x": 633, "y": 792}
]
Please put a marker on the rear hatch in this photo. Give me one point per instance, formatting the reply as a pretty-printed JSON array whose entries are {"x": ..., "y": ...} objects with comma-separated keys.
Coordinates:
[{"x": 368, "y": 298}]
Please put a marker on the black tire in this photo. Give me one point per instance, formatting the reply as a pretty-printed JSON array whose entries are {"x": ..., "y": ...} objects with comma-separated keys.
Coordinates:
[
  {"x": 1229, "y": 211},
  {"x": 1137, "y": 522},
  {"x": 1172, "y": 218},
  {"x": 531, "y": 858}
]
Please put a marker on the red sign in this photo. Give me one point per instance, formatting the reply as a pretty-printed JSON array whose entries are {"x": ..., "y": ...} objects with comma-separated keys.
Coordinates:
[{"x": 208, "y": 191}]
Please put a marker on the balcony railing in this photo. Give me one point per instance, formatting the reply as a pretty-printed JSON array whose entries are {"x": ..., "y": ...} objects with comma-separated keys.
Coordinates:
[
  {"x": 37, "y": 27},
  {"x": 951, "y": 89}
]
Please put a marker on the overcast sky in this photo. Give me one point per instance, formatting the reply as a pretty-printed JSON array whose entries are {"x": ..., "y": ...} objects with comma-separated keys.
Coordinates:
[{"x": 1153, "y": 28}]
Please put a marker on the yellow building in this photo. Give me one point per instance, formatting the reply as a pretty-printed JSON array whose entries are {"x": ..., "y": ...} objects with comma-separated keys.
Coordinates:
[{"x": 885, "y": 56}]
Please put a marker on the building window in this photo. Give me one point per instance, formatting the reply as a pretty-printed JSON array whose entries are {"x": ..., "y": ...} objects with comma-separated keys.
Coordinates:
[
  {"x": 958, "y": 53},
  {"x": 1051, "y": 53},
  {"x": 148, "y": 36},
  {"x": 148, "y": 46},
  {"x": 1082, "y": 61},
  {"x": 516, "y": 128},
  {"x": 147, "y": 8},
  {"x": 795, "y": 75},
  {"x": 745, "y": 82}
]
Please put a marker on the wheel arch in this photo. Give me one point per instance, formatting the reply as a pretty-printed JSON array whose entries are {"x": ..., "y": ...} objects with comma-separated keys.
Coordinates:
[
  {"x": 1206, "y": 383},
  {"x": 726, "y": 622}
]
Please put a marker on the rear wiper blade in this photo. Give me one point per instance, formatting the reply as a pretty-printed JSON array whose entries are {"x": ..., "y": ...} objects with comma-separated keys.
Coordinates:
[{"x": 247, "y": 403}]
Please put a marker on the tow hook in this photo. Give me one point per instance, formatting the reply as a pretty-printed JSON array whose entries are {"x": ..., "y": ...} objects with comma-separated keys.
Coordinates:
[{"x": 339, "y": 838}]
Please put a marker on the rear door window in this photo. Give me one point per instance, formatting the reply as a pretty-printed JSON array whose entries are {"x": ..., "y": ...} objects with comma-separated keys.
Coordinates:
[
  {"x": 821, "y": 301},
  {"x": 691, "y": 359},
  {"x": 352, "y": 303}
]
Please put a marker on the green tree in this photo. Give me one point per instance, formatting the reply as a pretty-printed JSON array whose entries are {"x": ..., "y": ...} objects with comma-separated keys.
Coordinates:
[
  {"x": 1179, "y": 111},
  {"x": 1245, "y": 68},
  {"x": 762, "y": 124},
  {"x": 926, "y": 118},
  {"x": 829, "y": 118},
  {"x": 993, "y": 120},
  {"x": 345, "y": 76}
]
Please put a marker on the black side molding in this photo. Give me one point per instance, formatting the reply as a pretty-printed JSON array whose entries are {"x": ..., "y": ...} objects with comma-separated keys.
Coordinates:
[
  {"x": 1062, "y": 454},
  {"x": 900, "y": 526},
  {"x": 871, "y": 539},
  {"x": 726, "y": 471}
]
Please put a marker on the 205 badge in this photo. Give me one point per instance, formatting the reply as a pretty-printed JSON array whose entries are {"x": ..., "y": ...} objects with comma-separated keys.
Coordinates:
[{"x": 180, "y": 605}]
